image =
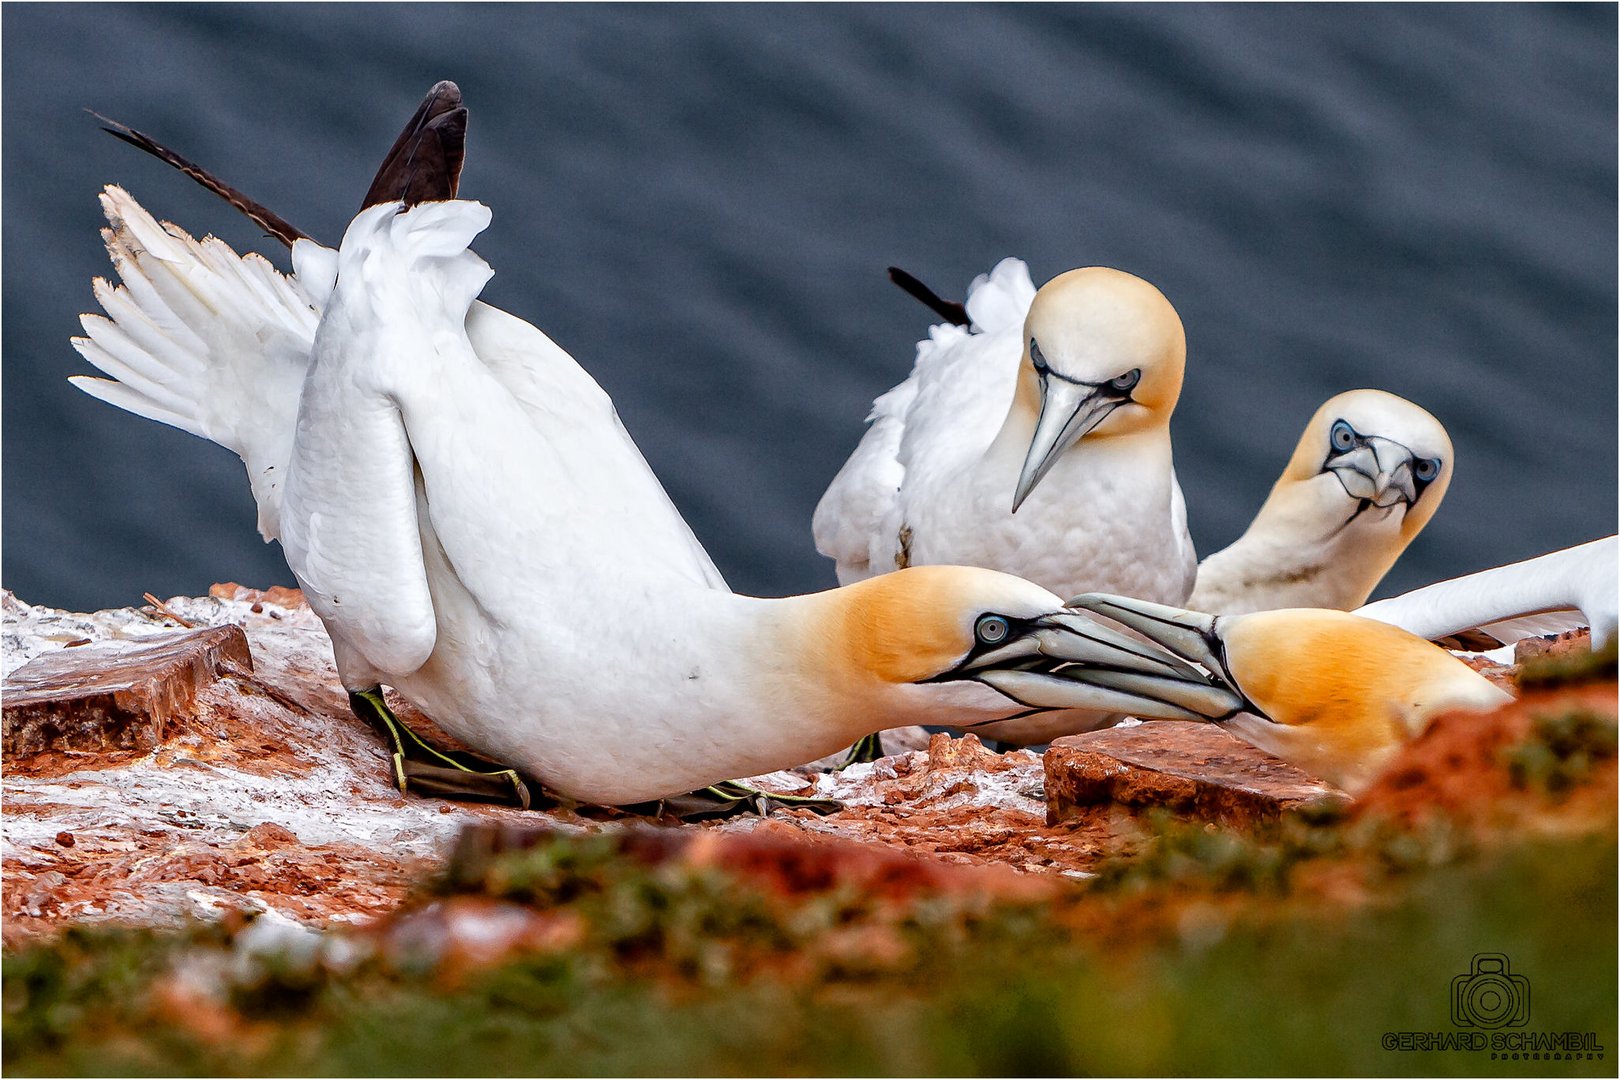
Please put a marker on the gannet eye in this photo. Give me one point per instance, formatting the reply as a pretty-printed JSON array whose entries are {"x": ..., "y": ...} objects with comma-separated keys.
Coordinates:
[
  {"x": 1343, "y": 435},
  {"x": 1125, "y": 383},
  {"x": 1426, "y": 469},
  {"x": 991, "y": 629},
  {"x": 1036, "y": 358}
]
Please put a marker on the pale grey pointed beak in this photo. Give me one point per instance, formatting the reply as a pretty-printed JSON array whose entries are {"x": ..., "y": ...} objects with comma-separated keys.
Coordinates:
[
  {"x": 1070, "y": 661},
  {"x": 1379, "y": 471},
  {"x": 1192, "y": 636},
  {"x": 1068, "y": 411},
  {"x": 1394, "y": 473}
]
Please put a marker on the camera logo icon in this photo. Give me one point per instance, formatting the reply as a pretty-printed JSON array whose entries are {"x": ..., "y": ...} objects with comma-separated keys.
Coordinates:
[{"x": 1490, "y": 996}]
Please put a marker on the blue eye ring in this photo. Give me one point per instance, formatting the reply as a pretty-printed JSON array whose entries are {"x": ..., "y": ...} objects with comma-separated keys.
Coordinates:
[
  {"x": 1426, "y": 469},
  {"x": 1342, "y": 437},
  {"x": 992, "y": 629},
  {"x": 1037, "y": 359},
  {"x": 1125, "y": 383}
]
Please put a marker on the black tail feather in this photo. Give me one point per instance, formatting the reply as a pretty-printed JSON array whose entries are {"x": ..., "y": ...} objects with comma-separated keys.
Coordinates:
[
  {"x": 425, "y": 162},
  {"x": 949, "y": 310},
  {"x": 267, "y": 220}
]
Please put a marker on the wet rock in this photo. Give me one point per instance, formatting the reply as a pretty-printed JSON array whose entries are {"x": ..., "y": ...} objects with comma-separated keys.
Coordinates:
[
  {"x": 1195, "y": 770},
  {"x": 114, "y": 696}
]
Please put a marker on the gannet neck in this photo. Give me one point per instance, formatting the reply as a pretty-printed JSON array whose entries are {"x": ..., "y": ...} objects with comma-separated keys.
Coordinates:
[{"x": 1302, "y": 550}]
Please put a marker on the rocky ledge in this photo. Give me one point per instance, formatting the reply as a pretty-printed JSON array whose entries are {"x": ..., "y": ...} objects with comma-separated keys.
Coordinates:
[{"x": 196, "y": 758}]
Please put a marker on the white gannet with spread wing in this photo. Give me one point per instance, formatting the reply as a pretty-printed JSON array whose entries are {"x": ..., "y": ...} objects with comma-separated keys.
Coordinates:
[
  {"x": 1035, "y": 442},
  {"x": 1368, "y": 473},
  {"x": 476, "y": 529}
]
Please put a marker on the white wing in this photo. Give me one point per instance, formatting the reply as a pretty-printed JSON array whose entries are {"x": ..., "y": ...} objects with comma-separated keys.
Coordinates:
[
  {"x": 957, "y": 394},
  {"x": 202, "y": 340},
  {"x": 218, "y": 344},
  {"x": 1578, "y": 586}
]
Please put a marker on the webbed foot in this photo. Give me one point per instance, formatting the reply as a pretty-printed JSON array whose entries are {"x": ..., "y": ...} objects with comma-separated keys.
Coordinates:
[
  {"x": 866, "y": 749},
  {"x": 422, "y": 769},
  {"x": 730, "y": 799}
]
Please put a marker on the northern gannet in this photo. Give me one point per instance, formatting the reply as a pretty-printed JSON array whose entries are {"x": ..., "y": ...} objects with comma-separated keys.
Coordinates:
[
  {"x": 1035, "y": 442},
  {"x": 476, "y": 529},
  {"x": 1338, "y": 693},
  {"x": 1368, "y": 473},
  {"x": 1330, "y": 691}
]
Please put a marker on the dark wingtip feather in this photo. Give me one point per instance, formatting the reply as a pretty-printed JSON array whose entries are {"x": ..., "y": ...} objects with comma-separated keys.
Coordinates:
[
  {"x": 949, "y": 310},
  {"x": 424, "y": 164},
  {"x": 261, "y": 215}
]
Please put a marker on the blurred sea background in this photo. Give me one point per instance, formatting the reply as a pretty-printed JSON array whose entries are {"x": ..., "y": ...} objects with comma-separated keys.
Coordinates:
[{"x": 699, "y": 203}]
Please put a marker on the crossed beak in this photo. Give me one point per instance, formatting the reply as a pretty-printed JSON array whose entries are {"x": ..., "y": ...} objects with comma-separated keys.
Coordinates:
[
  {"x": 1068, "y": 660},
  {"x": 1379, "y": 471},
  {"x": 1068, "y": 411}
]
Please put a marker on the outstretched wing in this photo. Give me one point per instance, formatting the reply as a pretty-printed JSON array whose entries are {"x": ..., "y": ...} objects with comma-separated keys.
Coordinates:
[
  {"x": 201, "y": 339},
  {"x": 218, "y": 345},
  {"x": 1578, "y": 586}
]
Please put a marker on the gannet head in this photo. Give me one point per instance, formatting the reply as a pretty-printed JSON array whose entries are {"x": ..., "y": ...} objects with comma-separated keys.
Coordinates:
[
  {"x": 965, "y": 646},
  {"x": 1103, "y": 356},
  {"x": 1332, "y": 692},
  {"x": 1391, "y": 461}
]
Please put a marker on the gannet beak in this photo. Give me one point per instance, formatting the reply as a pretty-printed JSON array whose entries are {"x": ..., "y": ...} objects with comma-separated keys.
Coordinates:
[
  {"x": 1067, "y": 660},
  {"x": 1068, "y": 411},
  {"x": 1379, "y": 471},
  {"x": 1191, "y": 636}
]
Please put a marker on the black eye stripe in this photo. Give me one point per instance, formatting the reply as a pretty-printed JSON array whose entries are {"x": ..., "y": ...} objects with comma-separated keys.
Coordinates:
[{"x": 1119, "y": 384}]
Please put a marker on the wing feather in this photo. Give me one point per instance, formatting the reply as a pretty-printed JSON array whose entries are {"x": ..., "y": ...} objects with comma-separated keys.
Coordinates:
[{"x": 1517, "y": 600}]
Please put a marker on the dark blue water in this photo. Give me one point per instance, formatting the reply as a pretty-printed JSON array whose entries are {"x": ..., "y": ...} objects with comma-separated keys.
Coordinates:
[{"x": 699, "y": 202}]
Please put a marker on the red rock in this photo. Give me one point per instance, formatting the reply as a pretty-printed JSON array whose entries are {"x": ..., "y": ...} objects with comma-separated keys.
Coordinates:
[
  {"x": 103, "y": 697},
  {"x": 1458, "y": 770},
  {"x": 1195, "y": 770}
]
